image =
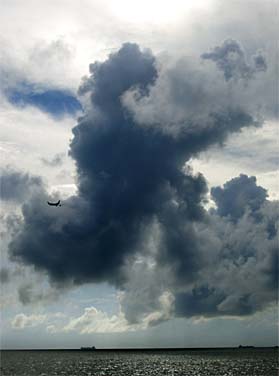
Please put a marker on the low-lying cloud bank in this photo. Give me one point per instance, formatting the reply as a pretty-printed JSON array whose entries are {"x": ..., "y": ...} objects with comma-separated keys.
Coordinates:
[{"x": 138, "y": 220}]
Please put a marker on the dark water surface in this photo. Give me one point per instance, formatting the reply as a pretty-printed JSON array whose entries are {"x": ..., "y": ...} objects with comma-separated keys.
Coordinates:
[{"x": 225, "y": 362}]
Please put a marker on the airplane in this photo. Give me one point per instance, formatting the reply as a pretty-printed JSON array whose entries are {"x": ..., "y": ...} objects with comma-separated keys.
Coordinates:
[{"x": 54, "y": 203}]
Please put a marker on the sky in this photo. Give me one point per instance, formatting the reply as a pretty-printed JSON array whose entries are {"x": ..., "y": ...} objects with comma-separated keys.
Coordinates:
[{"x": 156, "y": 125}]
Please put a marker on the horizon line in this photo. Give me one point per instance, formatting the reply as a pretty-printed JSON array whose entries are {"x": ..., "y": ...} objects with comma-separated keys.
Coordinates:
[{"x": 240, "y": 347}]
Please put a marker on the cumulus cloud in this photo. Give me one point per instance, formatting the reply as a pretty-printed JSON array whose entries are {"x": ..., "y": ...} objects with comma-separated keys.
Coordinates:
[
  {"x": 238, "y": 194},
  {"x": 191, "y": 96},
  {"x": 144, "y": 167},
  {"x": 140, "y": 209},
  {"x": 95, "y": 321},
  {"x": 231, "y": 60},
  {"x": 243, "y": 243},
  {"x": 22, "y": 321}
]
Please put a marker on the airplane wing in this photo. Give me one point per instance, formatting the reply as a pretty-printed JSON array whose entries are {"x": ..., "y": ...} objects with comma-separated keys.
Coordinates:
[{"x": 53, "y": 203}]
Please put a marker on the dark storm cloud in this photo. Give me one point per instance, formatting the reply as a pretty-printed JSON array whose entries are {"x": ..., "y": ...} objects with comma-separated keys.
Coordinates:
[
  {"x": 132, "y": 177},
  {"x": 127, "y": 175},
  {"x": 16, "y": 185},
  {"x": 231, "y": 60},
  {"x": 237, "y": 195}
]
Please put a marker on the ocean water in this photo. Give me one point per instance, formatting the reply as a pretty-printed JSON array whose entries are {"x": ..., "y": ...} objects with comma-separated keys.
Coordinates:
[{"x": 248, "y": 362}]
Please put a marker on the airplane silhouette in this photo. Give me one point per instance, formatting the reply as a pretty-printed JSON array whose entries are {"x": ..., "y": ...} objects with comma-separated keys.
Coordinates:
[{"x": 54, "y": 203}]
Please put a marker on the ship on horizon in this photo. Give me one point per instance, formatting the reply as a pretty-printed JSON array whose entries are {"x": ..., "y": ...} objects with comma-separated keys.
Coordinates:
[{"x": 92, "y": 348}]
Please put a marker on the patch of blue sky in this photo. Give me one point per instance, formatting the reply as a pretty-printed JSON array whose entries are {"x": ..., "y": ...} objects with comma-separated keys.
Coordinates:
[
  {"x": 101, "y": 296},
  {"x": 55, "y": 102}
]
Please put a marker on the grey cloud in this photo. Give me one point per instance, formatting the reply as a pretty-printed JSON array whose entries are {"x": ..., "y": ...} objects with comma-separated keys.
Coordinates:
[
  {"x": 57, "y": 160},
  {"x": 231, "y": 60},
  {"x": 237, "y": 273},
  {"x": 17, "y": 186},
  {"x": 146, "y": 282},
  {"x": 4, "y": 275},
  {"x": 260, "y": 62},
  {"x": 201, "y": 300},
  {"x": 24, "y": 294},
  {"x": 132, "y": 177},
  {"x": 241, "y": 276},
  {"x": 29, "y": 294},
  {"x": 237, "y": 195},
  {"x": 189, "y": 96}
]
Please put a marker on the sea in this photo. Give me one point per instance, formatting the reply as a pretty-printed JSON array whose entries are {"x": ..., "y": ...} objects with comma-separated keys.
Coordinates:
[{"x": 215, "y": 362}]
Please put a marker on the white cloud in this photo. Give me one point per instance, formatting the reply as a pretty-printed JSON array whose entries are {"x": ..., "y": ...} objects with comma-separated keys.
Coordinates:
[
  {"x": 166, "y": 301},
  {"x": 65, "y": 37},
  {"x": 51, "y": 329},
  {"x": 98, "y": 321},
  {"x": 28, "y": 135},
  {"x": 22, "y": 321},
  {"x": 65, "y": 190},
  {"x": 54, "y": 42}
]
